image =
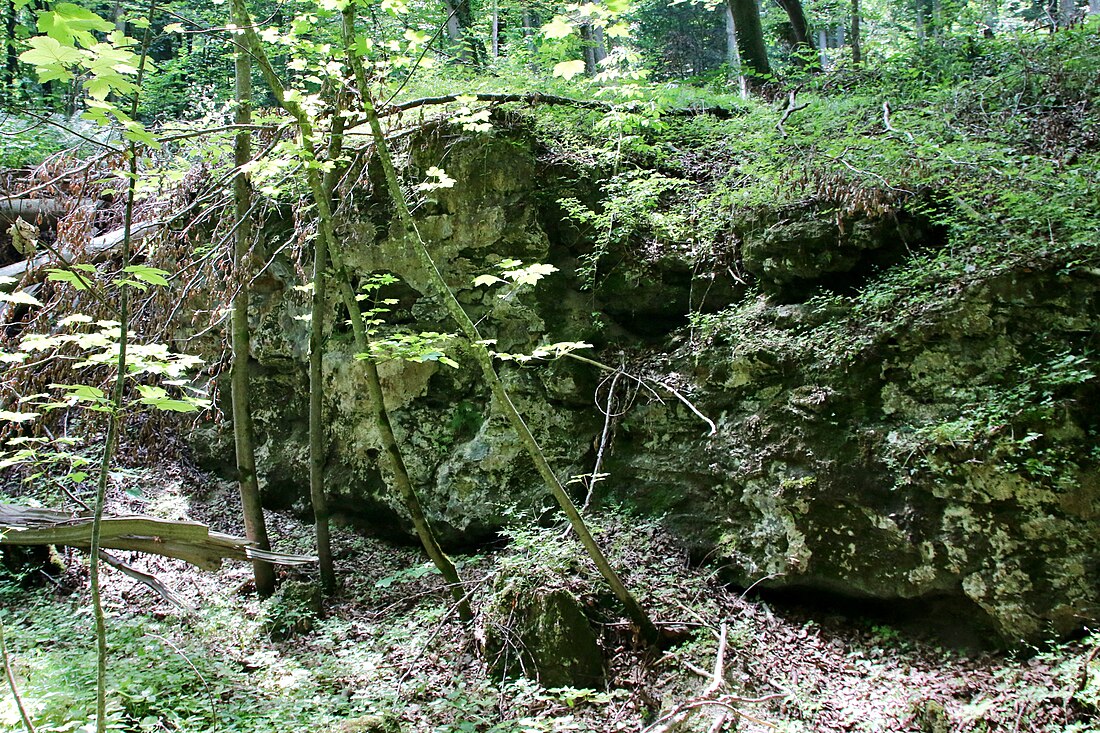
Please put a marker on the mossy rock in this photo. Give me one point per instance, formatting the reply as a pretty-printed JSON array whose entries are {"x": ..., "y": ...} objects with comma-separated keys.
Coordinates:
[
  {"x": 292, "y": 610},
  {"x": 544, "y": 636}
]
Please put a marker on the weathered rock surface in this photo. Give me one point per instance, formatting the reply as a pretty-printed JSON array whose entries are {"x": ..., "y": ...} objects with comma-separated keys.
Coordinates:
[
  {"x": 948, "y": 452},
  {"x": 544, "y": 635}
]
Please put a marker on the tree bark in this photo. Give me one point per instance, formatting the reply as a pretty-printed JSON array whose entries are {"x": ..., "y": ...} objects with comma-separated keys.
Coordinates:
[
  {"x": 1067, "y": 13},
  {"x": 11, "y": 55},
  {"x": 733, "y": 56},
  {"x": 460, "y": 23},
  {"x": 805, "y": 53},
  {"x": 857, "y": 51},
  {"x": 317, "y": 442},
  {"x": 251, "y": 508},
  {"x": 750, "y": 41}
]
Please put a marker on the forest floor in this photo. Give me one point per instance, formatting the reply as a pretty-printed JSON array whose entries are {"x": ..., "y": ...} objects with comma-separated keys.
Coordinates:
[{"x": 386, "y": 654}]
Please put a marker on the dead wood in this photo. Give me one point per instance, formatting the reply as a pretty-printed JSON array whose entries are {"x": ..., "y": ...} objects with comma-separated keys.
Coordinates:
[
  {"x": 95, "y": 250},
  {"x": 191, "y": 542}
]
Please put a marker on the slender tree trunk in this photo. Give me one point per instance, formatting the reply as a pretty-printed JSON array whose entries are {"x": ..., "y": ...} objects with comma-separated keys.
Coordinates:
[
  {"x": 496, "y": 30},
  {"x": 251, "y": 509},
  {"x": 114, "y": 419},
  {"x": 317, "y": 441},
  {"x": 857, "y": 50},
  {"x": 823, "y": 47},
  {"x": 390, "y": 449},
  {"x": 750, "y": 41},
  {"x": 733, "y": 56},
  {"x": 1067, "y": 12},
  {"x": 11, "y": 56},
  {"x": 805, "y": 53},
  {"x": 921, "y": 24},
  {"x": 1094, "y": 7}
]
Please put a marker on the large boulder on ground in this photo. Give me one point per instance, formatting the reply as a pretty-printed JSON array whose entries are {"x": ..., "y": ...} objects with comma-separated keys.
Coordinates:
[{"x": 544, "y": 635}]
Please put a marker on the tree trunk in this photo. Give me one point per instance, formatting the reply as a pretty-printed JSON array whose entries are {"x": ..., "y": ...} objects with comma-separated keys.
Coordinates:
[
  {"x": 390, "y": 450},
  {"x": 460, "y": 22},
  {"x": 254, "y": 526},
  {"x": 750, "y": 41},
  {"x": 11, "y": 56},
  {"x": 1067, "y": 12},
  {"x": 733, "y": 56},
  {"x": 1094, "y": 7},
  {"x": 823, "y": 47},
  {"x": 317, "y": 442},
  {"x": 857, "y": 51},
  {"x": 496, "y": 30},
  {"x": 589, "y": 49},
  {"x": 805, "y": 54}
]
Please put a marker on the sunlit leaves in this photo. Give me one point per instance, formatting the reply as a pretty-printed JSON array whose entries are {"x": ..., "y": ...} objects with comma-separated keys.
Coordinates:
[
  {"x": 568, "y": 69},
  {"x": 546, "y": 352},
  {"x": 437, "y": 178},
  {"x": 20, "y": 297},
  {"x": 78, "y": 281},
  {"x": 67, "y": 23},
  {"x": 514, "y": 272},
  {"x": 18, "y": 416},
  {"x": 51, "y": 59},
  {"x": 415, "y": 347},
  {"x": 157, "y": 397},
  {"x": 557, "y": 28}
]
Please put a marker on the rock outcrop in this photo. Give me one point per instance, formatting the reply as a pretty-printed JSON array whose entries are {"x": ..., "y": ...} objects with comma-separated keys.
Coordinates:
[{"x": 948, "y": 450}]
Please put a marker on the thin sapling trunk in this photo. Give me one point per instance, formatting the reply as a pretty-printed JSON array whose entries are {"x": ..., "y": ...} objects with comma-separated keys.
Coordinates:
[
  {"x": 243, "y": 435},
  {"x": 390, "y": 448}
]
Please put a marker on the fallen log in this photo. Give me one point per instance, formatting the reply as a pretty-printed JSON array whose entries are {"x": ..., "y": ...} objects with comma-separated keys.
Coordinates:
[
  {"x": 94, "y": 251},
  {"x": 191, "y": 542},
  {"x": 34, "y": 210}
]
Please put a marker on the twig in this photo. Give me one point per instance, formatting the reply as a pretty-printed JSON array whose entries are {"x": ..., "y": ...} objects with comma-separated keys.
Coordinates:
[
  {"x": 10, "y": 673},
  {"x": 206, "y": 685},
  {"x": 792, "y": 107},
  {"x": 147, "y": 579},
  {"x": 888, "y": 126},
  {"x": 1083, "y": 679},
  {"x": 607, "y": 419},
  {"x": 643, "y": 382}
]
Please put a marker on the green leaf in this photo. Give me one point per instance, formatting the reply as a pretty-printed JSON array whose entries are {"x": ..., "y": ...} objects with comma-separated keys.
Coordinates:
[
  {"x": 151, "y": 275},
  {"x": 68, "y": 22},
  {"x": 486, "y": 280},
  {"x": 619, "y": 30},
  {"x": 557, "y": 28},
  {"x": 66, "y": 276},
  {"x": 50, "y": 58},
  {"x": 568, "y": 69}
]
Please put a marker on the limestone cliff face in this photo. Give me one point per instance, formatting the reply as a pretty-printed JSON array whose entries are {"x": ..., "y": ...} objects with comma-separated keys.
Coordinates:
[{"x": 947, "y": 452}]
